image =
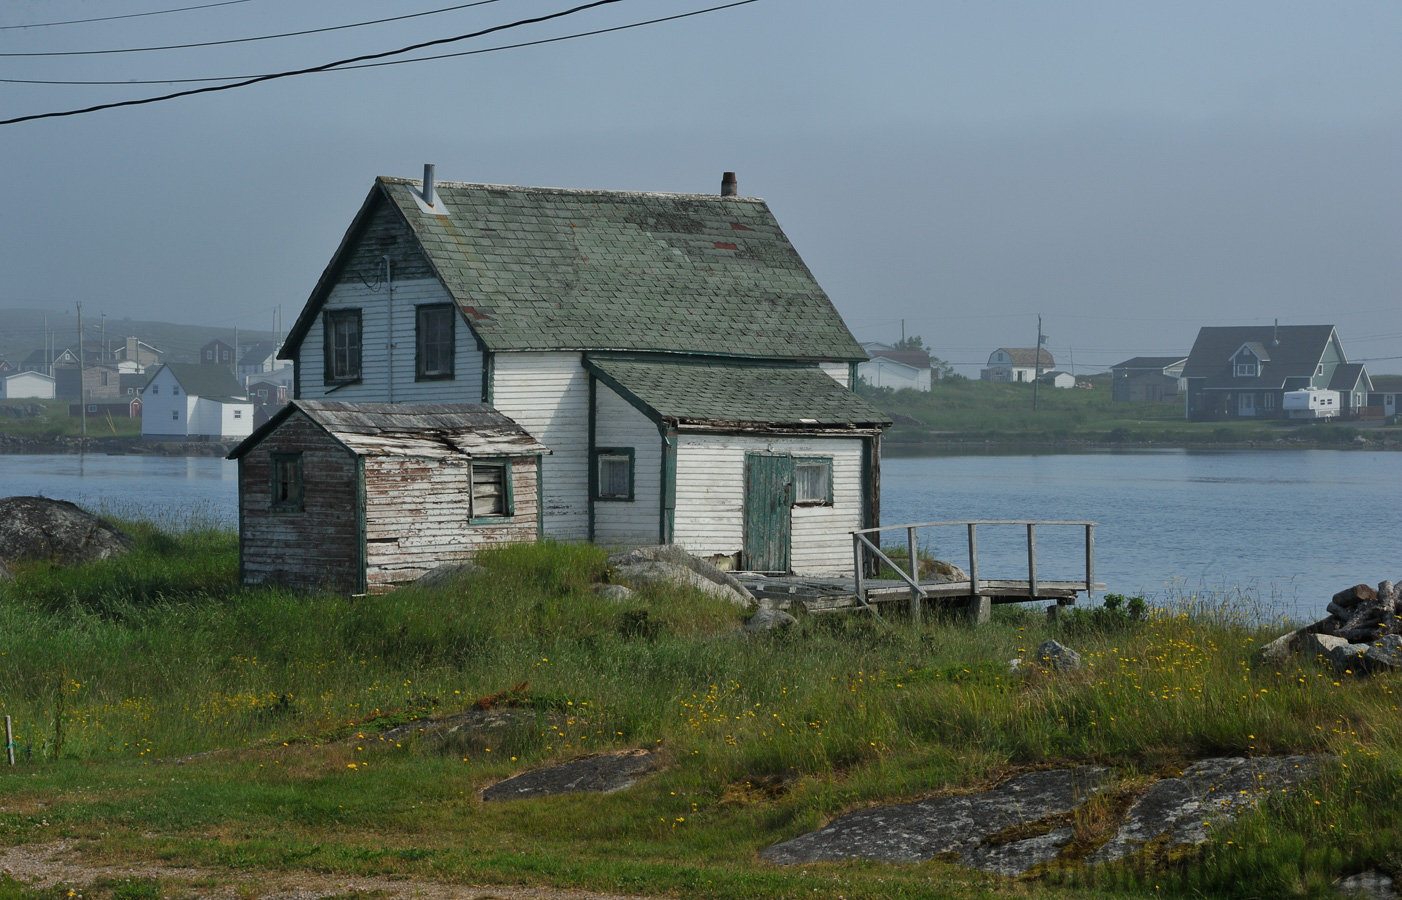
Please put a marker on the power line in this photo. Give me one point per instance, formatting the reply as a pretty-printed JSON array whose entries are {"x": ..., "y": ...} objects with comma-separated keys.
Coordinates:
[
  {"x": 261, "y": 37},
  {"x": 158, "y": 12},
  {"x": 401, "y": 62},
  {"x": 321, "y": 68}
]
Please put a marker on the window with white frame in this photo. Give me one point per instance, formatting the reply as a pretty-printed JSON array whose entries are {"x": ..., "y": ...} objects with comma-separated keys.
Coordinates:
[
  {"x": 812, "y": 481},
  {"x": 613, "y": 473}
]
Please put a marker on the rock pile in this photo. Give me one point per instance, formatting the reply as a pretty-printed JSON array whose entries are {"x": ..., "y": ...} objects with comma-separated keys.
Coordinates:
[{"x": 1362, "y": 634}]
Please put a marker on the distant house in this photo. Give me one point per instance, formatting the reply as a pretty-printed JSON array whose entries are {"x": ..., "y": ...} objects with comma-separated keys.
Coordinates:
[
  {"x": 217, "y": 353},
  {"x": 268, "y": 397},
  {"x": 1147, "y": 379},
  {"x": 26, "y": 386},
  {"x": 42, "y": 360},
  {"x": 131, "y": 384},
  {"x": 358, "y": 497},
  {"x": 1016, "y": 364},
  {"x": 5, "y": 367},
  {"x": 895, "y": 369},
  {"x": 694, "y": 383},
  {"x": 99, "y": 382},
  {"x": 128, "y": 408},
  {"x": 1353, "y": 384},
  {"x": 1059, "y": 379},
  {"x": 139, "y": 352},
  {"x": 1243, "y": 371},
  {"x": 185, "y": 402},
  {"x": 260, "y": 358}
]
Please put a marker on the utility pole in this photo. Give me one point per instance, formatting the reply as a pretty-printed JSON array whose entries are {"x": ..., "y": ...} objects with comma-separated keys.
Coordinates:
[
  {"x": 1037, "y": 379},
  {"x": 82, "y": 393},
  {"x": 236, "y": 353},
  {"x": 102, "y": 352},
  {"x": 48, "y": 366}
]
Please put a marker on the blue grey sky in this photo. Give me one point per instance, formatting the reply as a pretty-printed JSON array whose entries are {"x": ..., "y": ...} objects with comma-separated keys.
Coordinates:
[{"x": 1129, "y": 171}]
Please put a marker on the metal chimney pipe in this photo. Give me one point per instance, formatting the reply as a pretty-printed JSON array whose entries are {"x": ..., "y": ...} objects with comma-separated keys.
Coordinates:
[
  {"x": 728, "y": 185},
  {"x": 428, "y": 185}
]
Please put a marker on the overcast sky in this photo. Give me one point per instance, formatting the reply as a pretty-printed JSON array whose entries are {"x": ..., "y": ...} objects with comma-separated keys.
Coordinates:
[{"x": 1129, "y": 171}]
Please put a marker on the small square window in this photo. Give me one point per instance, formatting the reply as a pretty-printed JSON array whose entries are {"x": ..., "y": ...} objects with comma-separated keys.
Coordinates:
[
  {"x": 491, "y": 490},
  {"x": 614, "y": 473},
  {"x": 812, "y": 482},
  {"x": 175, "y": 414},
  {"x": 287, "y": 481},
  {"x": 155, "y": 388},
  {"x": 238, "y": 414}
]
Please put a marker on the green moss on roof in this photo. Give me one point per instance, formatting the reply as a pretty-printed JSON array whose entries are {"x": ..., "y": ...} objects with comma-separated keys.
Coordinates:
[
  {"x": 709, "y": 391},
  {"x": 553, "y": 269}
]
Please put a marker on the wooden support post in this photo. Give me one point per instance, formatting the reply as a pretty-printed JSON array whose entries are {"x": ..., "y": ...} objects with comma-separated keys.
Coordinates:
[
  {"x": 1032, "y": 559},
  {"x": 10, "y": 740},
  {"x": 980, "y": 610},
  {"x": 914, "y": 576},
  {"x": 973, "y": 559},
  {"x": 860, "y": 575},
  {"x": 1090, "y": 561}
]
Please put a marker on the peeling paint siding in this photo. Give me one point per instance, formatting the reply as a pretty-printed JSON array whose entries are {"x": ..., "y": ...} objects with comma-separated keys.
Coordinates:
[
  {"x": 317, "y": 547},
  {"x": 464, "y": 387},
  {"x": 547, "y": 394},
  {"x": 416, "y": 515},
  {"x": 618, "y": 424},
  {"x": 837, "y": 371},
  {"x": 710, "y": 499}
]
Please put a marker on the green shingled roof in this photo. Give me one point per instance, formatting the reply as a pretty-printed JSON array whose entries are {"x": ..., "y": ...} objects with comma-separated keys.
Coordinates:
[
  {"x": 711, "y": 391},
  {"x": 553, "y": 269},
  {"x": 210, "y": 382}
]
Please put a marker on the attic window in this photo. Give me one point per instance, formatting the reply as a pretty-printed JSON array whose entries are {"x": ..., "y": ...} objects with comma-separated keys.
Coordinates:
[
  {"x": 341, "y": 341},
  {"x": 434, "y": 342}
]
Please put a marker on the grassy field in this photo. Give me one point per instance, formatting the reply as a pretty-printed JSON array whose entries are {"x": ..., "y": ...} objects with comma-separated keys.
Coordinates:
[
  {"x": 119, "y": 673},
  {"x": 56, "y": 422},
  {"x": 961, "y": 410}
]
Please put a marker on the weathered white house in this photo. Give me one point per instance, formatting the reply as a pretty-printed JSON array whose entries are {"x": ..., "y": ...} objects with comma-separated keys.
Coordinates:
[
  {"x": 191, "y": 402},
  {"x": 692, "y": 380},
  {"x": 359, "y": 497},
  {"x": 28, "y": 385},
  {"x": 1017, "y": 364}
]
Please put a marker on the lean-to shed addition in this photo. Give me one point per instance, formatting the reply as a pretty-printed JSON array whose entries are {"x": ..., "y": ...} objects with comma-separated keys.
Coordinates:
[{"x": 359, "y": 497}]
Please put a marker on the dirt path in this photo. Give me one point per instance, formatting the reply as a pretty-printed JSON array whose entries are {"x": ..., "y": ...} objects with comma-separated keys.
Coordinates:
[{"x": 43, "y": 865}]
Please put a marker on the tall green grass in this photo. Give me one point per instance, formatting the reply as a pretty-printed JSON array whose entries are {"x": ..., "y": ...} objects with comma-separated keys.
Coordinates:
[{"x": 162, "y": 655}]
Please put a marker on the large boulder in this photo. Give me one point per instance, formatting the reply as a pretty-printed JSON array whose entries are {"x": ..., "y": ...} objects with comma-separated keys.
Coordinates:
[
  {"x": 1057, "y": 656},
  {"x": 40, "y": 528},
  {"x": 668, "y": 563}
]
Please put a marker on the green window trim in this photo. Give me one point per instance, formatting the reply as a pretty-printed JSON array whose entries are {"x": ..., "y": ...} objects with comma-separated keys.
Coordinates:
[
  {"x": 286, "y": 482},
  {"x": 343, "y": 341},
  {"x": 508, "y": 496},
  {"x": 435, "y": 342},
  {"x": 824, "y": 461},
  {"x": 612, "y": 453}
]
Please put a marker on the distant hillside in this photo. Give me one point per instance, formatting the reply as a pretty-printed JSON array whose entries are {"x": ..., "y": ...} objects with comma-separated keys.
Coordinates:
[{"x": 22, "y": 332}]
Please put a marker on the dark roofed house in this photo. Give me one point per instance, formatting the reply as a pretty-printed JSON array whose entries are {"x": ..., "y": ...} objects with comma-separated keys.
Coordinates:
[
  {"x": 358, "y": 497},
  {"x": 1017, "y": 364},
  {"x": 691, "y": 378},
  {"x": 1243, "y": 371},
  {"x": 1353, "y": 384},
  {"x": 1147, "y": 379}
]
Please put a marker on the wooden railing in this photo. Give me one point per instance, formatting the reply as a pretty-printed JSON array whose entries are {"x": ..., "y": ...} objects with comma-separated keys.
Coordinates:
[{"x": 862, "y": 544}]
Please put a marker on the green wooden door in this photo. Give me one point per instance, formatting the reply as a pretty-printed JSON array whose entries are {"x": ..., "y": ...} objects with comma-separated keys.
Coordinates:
[{"x": 768, "y": 499}]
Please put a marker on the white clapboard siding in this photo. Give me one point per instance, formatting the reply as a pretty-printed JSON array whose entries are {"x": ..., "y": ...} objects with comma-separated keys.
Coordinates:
[
  {"x": 464, "y": 387},
  {"x": 617, "y": 424},
  {"x": 710, "y": 499},
  {"x": 839, "y": 372},
  {"x": 416, "y": 515},
  {"x": 547, "y": 394},
  {"x": 158, "y": 401}
]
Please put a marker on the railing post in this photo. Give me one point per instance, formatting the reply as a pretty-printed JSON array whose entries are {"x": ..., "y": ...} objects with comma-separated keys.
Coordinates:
[
  {"x": 1090, "y": 561},
  {"x": 857, "y": 560},
  {"x": 973, "y": 559},
  {"x": 914, "y": 575},
  {"x": 1032, "y": 558}
]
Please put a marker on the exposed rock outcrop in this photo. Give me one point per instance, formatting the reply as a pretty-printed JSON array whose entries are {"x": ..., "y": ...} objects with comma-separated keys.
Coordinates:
[
  {"x": 670, "y": 564},
  {"x": 602, "y": 774},
  {"x": 40, "y": 528}
]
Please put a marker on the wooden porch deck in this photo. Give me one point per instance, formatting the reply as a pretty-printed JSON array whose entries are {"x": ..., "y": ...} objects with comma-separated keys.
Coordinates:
[{"x": 819, "y": 595}]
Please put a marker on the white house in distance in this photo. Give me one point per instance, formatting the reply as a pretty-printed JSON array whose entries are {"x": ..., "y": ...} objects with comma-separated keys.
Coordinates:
[
  {"x": 191, "y": 402},
  {"x": 1016, "y": 364},
  {"x": 1059, "y": 379},
  {"x": 27, "y": 386},
  {"x": 692, "y": 380},
  {"x": 895, "y": 369}
]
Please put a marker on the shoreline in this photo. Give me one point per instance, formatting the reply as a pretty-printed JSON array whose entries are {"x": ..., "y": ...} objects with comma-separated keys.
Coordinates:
[{"x": 26, "y": 445}]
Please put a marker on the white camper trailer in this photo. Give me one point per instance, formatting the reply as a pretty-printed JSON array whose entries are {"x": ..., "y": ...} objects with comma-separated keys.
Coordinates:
[{"x": 1311, "y": 404}]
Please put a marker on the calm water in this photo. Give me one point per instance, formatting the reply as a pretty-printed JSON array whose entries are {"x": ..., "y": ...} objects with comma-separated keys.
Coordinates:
[{"x": 1292, "y": 527}]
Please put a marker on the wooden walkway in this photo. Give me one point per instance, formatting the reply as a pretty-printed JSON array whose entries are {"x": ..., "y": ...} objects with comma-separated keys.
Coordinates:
[{"x": 975, "y": 594}]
